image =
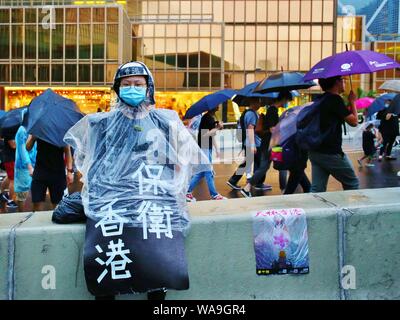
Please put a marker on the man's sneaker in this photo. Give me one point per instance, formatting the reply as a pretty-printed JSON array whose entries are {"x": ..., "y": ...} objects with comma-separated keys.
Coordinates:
[
  {"x": 390, "y": 158},
  {"x": 370, "y": 165},
  {"x": 246, "y": 194},
  {"x": 380, "y": 158},
  {"x": 190, "y": 198},
  {"x": 233, "y": 186},
  {"x": 11, "y": 205},
  {"x": 219, "y": 197},
  {"x": 263, "y": 187},
  {"x": 4, "y": 197}
]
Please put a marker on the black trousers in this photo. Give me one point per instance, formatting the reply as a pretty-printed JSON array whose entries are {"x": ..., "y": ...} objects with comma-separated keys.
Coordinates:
[
  {"x": 387, "y": 144},
  {"x": 296, "y": 177}
]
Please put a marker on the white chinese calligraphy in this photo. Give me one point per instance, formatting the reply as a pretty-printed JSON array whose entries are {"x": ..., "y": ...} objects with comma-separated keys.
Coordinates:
[
  {"x": 155, "y": 215},
  {"x": 153, "y": 181}
]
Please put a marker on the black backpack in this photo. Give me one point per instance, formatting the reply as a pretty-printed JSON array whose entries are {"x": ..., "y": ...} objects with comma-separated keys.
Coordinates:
[{"x": 309, "y": 135}]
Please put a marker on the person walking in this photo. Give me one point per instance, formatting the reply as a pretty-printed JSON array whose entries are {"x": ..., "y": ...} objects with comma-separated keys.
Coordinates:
[
  {"x": 329, "y": 159},
  {"x": 267, "y": 123},
  {"x": 7, "y": 199},
  {"x": 389, "y": 128},
  {"x": 208, "y": 129},
  {"x": 252, "y": 144},
  {"x": 368, "y": 145}
]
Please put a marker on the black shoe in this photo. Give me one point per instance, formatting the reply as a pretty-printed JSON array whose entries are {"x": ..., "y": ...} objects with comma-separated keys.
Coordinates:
[
  {"x": 390, "y": 158},
  {"x": 4, "y": 197},
  {"x": 11, "y": 205},
  {"x": 233, "y": 186},
  {"x": 246, "y": 194}
]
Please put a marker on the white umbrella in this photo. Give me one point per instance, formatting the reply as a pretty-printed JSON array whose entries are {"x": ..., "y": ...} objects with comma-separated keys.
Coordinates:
[{"x": 391, "y": 85}]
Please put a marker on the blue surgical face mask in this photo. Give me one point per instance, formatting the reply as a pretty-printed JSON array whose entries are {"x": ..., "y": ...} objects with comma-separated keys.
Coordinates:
[{"x": 133, "y": 96}]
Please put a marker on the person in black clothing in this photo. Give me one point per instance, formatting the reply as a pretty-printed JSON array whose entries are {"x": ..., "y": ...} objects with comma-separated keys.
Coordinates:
[
  {"x": 368, "y": 144},
  {"x": 297, "y": 175},
  {"x": 329, "y": 158},
  {"x": 49, "y": 172},
  {"x": 389, "y": 128}
]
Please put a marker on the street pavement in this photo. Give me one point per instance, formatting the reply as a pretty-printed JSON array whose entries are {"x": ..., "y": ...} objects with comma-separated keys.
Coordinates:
[{"x": 383, "y": 175}]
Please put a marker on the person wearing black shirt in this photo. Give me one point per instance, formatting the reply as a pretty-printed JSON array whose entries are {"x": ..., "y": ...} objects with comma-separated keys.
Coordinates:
[
  {"x": 368, "y": 145},
  {"x": 389, "y": 128},
  {"x": 49, "y": 172},
  {"x": 207, "y": 130},
  {"x": 329, "y": 158}
]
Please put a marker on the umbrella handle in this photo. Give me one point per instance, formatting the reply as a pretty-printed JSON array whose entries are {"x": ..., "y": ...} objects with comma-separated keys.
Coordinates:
[{"x": 351, "y": 82}]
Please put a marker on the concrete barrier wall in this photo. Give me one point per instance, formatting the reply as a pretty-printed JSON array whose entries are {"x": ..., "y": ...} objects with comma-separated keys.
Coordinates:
[{"x": 357, "y": 228}]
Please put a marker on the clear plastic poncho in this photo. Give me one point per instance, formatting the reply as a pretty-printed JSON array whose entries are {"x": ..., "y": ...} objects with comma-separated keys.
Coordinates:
[{"x": 137, "y": 162}]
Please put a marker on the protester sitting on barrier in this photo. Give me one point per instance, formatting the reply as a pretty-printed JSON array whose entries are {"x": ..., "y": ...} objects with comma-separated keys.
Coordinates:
[
  {"x": 136, "y": 162},
  {"x": 49, "y": 172},
  {"x": 270, "y": 120},
  {"x": 328, "y": 158},
  {"x": 208, "y": 128},
  {"x": 251, "y": 143}
]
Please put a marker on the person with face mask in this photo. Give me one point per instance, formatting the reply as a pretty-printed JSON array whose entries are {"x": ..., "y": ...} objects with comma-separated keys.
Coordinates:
[{"x": 136, "y": 162}]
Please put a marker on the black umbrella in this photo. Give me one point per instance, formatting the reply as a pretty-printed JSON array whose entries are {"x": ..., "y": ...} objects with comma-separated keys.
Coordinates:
[
  {"x": 51, "y": 116},
  {"x": 284, "y": 81},
  {"x": 394, "y": 106},
  {"x": 12, "y": 120},
  {"x": 244, "y": 95}
]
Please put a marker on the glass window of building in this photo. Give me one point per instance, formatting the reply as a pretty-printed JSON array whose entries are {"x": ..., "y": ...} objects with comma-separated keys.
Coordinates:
[
  {"x": 30, "y": 41},
  {"x": 17, "y": 15},
  {"x": 70, "y": 73},
  {"x": 84, "y": 73},
  {"x": 98, "y": 73},
  {"x": 112, "y": 41},
  {"x": 71, "y": 15},
  {"x": 4, "y": 73},
  {"x": 98, "y": 41},
  {"x": 17, "y": 73},
  {"x": 57, "y": 41},
  {"x": 57, "y": 73},
  {"x": 84, "y": 41},
  {"x": 16, "y": 41},
  {"x": 4, "y": 15},
  {"x": 30, "y": 73},
  {"x": 44, "y": 43},
  {"x": 30, "y": 15},
  {"x": 44, "y": 73},
  {"x": 85, "y": 15},
  {"x": 4, "y": 42},
  {"x": 112, "y": 15},
  {"x": 70, "y": 41}
]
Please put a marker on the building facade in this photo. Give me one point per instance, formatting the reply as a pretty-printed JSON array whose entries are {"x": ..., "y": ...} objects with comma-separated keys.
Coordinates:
[{"x": 193, "y": 47}]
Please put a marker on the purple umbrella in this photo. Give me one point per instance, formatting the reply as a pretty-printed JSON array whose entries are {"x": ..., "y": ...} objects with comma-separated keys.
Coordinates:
[{"x": 351, "y": 62}]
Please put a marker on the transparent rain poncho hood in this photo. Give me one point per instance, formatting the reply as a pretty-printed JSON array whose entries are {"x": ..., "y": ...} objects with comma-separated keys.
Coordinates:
[{"x": 136, "y": 160}]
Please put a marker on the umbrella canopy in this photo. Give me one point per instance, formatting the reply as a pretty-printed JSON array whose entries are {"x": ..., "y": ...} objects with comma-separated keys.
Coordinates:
[
  {"x": 391, "y": 85},
  {"x": 2, "y": 113},
  {"x": 350, "y": 62},
  {"x": 51, "y": 116},
  {"x": 12, "y": 120},
  {"x": 379, "y": 103},
  {"x": 394, "y": 106},
  {"x": 284, "y": 81},
  {"x": 245, "y": 94},
  {"x": 363, "y": 103},
  {"x": 209, "y": 102}
]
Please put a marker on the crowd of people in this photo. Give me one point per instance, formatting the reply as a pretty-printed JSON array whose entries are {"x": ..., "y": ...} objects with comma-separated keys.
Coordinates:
[{"x": 327, "y": 160}]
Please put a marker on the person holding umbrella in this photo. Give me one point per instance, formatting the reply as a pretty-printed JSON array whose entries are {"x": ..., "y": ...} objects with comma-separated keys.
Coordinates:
[
  {"x": 49, "y": 172},
  {"x": 329, "y": 158}
]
